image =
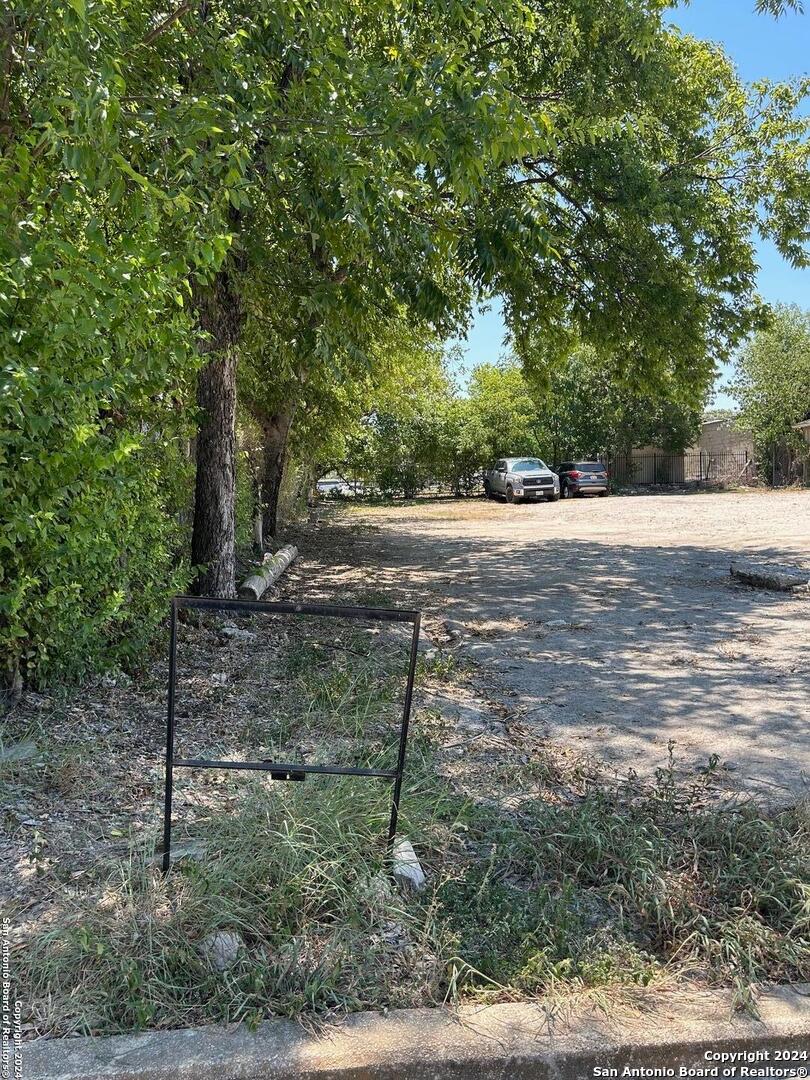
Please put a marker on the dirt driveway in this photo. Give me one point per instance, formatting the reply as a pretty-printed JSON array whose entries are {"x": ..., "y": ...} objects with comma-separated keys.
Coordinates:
[{"x": 611, "y": 624}]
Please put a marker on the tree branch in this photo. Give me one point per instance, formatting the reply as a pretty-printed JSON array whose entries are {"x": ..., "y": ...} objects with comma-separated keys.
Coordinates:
[{"x": 167, "y": 22}]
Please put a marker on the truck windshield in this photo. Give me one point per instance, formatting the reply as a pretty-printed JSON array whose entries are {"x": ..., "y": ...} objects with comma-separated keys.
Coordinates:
[{"x": 528, "y": 465}]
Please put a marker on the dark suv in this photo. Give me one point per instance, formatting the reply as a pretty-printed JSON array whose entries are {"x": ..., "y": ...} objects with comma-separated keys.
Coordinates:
[{"x": 579, "y": 477}]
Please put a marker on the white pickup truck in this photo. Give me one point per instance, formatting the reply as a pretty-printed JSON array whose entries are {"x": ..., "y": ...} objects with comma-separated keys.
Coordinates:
[{"x": 522, "y": 478}]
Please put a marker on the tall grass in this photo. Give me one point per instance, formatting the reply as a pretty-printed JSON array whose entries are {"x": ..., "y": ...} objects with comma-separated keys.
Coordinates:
[{"x": 623, "y": 886}]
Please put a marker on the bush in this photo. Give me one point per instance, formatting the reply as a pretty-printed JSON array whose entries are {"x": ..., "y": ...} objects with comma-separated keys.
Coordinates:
[{"x": 98, "y": 359}]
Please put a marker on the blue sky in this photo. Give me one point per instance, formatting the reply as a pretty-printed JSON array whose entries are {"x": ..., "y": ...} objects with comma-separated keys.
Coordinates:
[{"x": 762, "y": 47}]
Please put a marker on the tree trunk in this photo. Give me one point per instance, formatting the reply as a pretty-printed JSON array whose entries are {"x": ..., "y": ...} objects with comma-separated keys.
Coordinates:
[
  {"x": 258, "y": 519},
  {"x": 275, "y": 435},
  {"x": 219, "y": 314}
]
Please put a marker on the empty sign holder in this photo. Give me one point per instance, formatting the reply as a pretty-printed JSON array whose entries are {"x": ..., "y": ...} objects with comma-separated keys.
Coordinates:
[{"x": 286, "y": 770}]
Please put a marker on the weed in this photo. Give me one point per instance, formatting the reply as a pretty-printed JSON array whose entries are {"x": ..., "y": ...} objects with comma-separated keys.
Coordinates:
[
  {"x": 624, "y": 888},
  {"x": 292, "y": 875},
  {"x": 621, "y": 885},
  {"x": 674, "y": 884}
]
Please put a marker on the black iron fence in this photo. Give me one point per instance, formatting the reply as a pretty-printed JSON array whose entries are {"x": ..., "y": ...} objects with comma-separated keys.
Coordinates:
[{"x": 648, "y": 467}]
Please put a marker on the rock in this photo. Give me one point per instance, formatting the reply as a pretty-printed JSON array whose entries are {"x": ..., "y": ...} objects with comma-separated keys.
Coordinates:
[
  {"x": 471, "y": 718},
  {"x": 113, "y": 679},
  {"x": 377, "y": 892},
  {"x": 771, "y": 576},
  {"x": 407, "y": 870},
  {"x": 21, "y": 751},
  {"x": 194, "y": 849},
  {"x": 427, "y": 648},
  {"x": 235, "y": 633},
  {"x": 221, "y": 949}
]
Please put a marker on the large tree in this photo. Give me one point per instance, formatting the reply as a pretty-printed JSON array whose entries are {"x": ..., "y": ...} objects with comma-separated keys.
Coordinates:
[
  {"x": 771, "y": 382},
  {"x": 599, "y": 169},
  {"x": 590, "y": 411}
]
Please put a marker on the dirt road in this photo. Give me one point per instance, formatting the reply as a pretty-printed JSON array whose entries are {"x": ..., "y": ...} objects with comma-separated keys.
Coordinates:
[{"x": 611, "y": 624}]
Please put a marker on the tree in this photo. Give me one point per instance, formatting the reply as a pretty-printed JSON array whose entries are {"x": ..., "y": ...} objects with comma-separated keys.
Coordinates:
[
  {"x": 596, "y": 168},
  {"x": 404, "y": 440},
  {"x": 591, "y": 411},
  {"x": 619, "y": 205},
  {"x": 771, "y": 382},
  {"x": 502, "y": 416}
]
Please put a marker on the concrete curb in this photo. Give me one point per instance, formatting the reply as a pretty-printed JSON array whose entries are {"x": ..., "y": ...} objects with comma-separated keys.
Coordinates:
[{"x": 665, "y": 1031}]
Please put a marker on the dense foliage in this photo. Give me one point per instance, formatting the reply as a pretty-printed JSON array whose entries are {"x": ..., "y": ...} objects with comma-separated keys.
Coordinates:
[
  {"x": 434, "y": 435},
  {"x": 248, "y": 197},
  {"x": 771, "y": 383}
]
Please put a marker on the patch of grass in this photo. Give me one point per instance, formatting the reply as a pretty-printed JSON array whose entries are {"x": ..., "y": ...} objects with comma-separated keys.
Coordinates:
[
  {"x": 620, "y": 886},
  {"x": 623, "y": 888},
  {"x": 298, "y": 877},
  {"x": 628, "y": 884},
  {"x": 444, "y": 666},
  {"x": 372, "y": 598},
  {"x": 345, "y": 691}
]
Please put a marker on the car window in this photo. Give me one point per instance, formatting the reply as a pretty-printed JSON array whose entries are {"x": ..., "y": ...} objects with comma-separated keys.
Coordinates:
[
  {"x": 590, "y": 466},
  {"x": 500, "y": 465},
  {"x": 528, "y": 465}
]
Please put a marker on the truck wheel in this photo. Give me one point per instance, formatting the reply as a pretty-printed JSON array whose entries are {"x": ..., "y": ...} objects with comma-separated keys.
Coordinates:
[
  {"x": 602, "y": 494},
  {"x": 510, "y": 493},
  {"x": 553, "y": 498}
]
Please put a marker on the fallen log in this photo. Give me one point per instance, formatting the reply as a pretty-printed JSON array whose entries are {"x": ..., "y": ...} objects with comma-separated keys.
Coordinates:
[{"x": 273, "y": 566}]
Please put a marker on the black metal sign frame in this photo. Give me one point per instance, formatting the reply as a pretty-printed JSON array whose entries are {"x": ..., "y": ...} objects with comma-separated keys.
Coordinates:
[{"x": 286, "y": 770}]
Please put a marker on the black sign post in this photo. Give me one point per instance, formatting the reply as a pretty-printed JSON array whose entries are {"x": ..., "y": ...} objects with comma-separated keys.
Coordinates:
[{"x": 286, "y": 770}]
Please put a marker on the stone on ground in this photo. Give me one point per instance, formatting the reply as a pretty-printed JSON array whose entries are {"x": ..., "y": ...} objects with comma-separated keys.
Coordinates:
[
  {"x": 408, "y": 872},
  {"x": 222, "y": 949},
  {"x": 21, "y": 751},
  {"x": 236, "y": 633},
  {"x": 771, "y": 576}
]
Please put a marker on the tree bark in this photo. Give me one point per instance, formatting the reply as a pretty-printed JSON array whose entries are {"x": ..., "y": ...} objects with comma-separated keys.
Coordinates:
[
  {"x": 258, "y": 519},
  {"x": 219, "y": 315},
  {"x": 275, "y": 436}
]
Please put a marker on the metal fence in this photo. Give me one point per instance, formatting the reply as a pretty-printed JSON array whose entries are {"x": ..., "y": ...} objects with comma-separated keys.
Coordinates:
[{"x": 644, "y": 467}]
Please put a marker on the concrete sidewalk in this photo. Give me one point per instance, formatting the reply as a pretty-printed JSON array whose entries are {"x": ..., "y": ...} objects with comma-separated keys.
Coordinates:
[{"x": 665, "y": 1031}]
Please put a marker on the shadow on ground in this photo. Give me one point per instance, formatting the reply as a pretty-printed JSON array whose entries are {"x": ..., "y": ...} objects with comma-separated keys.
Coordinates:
[{"x": 619, "y": 648}]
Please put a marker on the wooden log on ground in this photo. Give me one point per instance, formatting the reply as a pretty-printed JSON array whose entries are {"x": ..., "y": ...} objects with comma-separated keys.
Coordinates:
[{"x": 271, "y": 570}]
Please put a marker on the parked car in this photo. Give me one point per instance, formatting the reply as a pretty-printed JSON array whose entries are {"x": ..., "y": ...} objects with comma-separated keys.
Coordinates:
[
  {"x": 583, "y": 477},
  {"x": 333, "y": 485},
  {"x": 521, "y": 478}
]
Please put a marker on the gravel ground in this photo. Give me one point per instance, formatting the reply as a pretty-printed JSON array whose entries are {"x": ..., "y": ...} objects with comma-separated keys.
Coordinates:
[
  {"x": 610, "y": 625},
  {"x": 556, "y": 637}
]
